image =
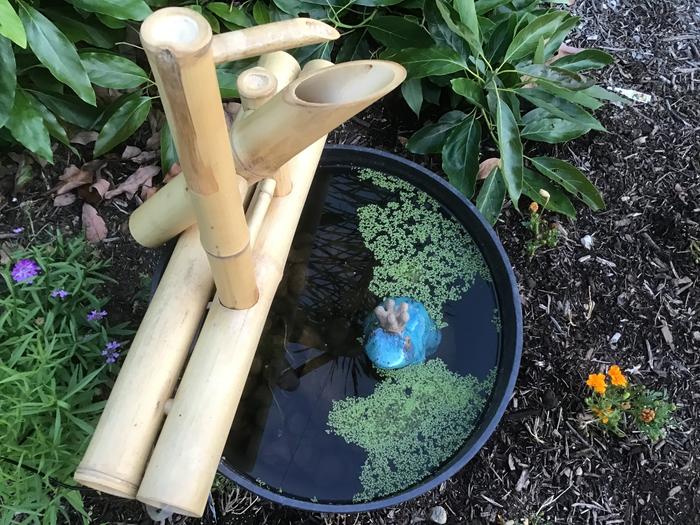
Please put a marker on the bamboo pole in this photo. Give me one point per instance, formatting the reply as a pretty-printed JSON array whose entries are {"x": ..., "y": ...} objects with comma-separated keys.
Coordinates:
[
  {"x": 178, "y": 44},
  {"x": 116, "y": 456},
  {"x": 184, "y": 461},
  {"x": 277, "y": 36}
]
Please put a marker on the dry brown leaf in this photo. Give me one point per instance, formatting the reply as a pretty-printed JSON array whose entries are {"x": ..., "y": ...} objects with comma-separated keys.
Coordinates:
[
  {"x": 144, "y": 156},
  {"x": 131, "y": 185},
  {"x": 486, "y": 167},
  {"x": 94, "y": 225},
  {"x": 564, "y": 51},
  {"x": 65, "y": 199},
  {"x": 84, "y": 137},
  {"x": 94, "y": 194},
  {"x": 72, "y": 178},
  {"x": 130, "y": 152},
  {"x": 147, "y": 192},
  {"x": 153, "y": 141}
]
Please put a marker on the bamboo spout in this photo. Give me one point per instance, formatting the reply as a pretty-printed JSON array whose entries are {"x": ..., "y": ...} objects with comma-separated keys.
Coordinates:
[{"x": 307, "y": 109}]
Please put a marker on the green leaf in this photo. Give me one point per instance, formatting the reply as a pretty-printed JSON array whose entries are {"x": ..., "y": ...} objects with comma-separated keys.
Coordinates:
[
  {"x": 583, "y": 60},
  {"x": 459, "y": 28},
  {"x": 122, "y": 124},
  {"x": 397, "y": 32},
  {"x": 460, "y": 155},
  {"x": 261, "y": 13},
  {"x": 56, "y": 52},
  {"x": 120, "y": 9},
  {"x": 213, "y": 21},
  {"x": 425, "y": 62},
  {"x": 228, "y": 87},
  {"x": 482, "y": 6},
  {"x": 230, "y": 13},
  {"x": 78, "y": 30},
  {"x": 525, "y": 41},
  {"x": 8, "y": 79},
  {"x": 560, "y": 107},
  {"x": 562, "y": 77},
  {"x": 603, "y": 94},
  {"x": 70, "y": 109},
  {"x": 111, "y": 22},
  {"x": 558, "y": 202},
  {"x": 168, "y": 153},
  {"x": 571, "y": 179},
  {"x": 467, "y": 15},
  {"x": 539, "y": 52},
  {"x": 355, "y": 46},
  {"x": 430, "y": 138},
  {"x": 412, "y": 92},
  {"x": 56, "y": 130},
  {"x": 26, "y": 124},
  {"x": 491, "y": 196},
  {"x": 112, "y": 71},
  {"x": 501, "y": 38},
  {"x": 469, "y": 90},
  {"x": 556, "y": 39},
  {"x": 511, "y": 150},
  {"x": 577, "y": 97},
  {"x": 542, "y": 126},
  {"x": 441, "y": 32},
  {"x": 11, "y": 26}
]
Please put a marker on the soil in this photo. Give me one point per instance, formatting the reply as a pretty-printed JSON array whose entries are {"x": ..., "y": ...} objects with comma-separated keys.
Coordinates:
[{"x": 639, "y": 280}]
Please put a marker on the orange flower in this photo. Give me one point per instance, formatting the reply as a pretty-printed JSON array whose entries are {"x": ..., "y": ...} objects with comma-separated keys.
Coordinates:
[
  {"x": 617, "y": 378},
  {"x": 597, "y": 383},
  {"x": 534, "y": 207}
]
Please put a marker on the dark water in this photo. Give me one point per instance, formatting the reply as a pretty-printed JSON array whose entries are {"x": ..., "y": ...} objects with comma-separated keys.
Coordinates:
[{"x": 311, "y": 351}]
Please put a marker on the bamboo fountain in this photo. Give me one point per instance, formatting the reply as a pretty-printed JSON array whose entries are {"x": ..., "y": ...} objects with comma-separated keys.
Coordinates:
[{"x": 235, "y": 208}]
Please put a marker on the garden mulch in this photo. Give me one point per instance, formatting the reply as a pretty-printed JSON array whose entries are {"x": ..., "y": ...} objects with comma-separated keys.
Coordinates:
[{"x": 631, "y": 299}]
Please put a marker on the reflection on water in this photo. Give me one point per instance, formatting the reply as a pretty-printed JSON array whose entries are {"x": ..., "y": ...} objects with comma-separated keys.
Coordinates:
[{"x": 311, "y": 351}]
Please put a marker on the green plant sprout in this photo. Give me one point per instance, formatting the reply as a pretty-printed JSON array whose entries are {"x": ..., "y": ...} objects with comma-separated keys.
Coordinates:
[
  {"x": 421, "y": 253},
  {"x": 543, "y": 233},
  {"x": 415, "y": 420}
]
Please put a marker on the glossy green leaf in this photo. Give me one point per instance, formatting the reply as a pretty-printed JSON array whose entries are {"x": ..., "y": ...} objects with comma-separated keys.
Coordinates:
[
  {"x": 261, "y": 14},
  {"x": 562, "y": 77},
  {"x": 460, "y": 155},
  {"x": 603, "y": 94},
  {"x": 397, "y": 32},
  {"x": 542, "y": 126},
  {"x": 119, "y": 9},
  {"x": 368, "y": 3},
  {"x": 577, "y": 97},
  {"x": 56, "y": 52},
  {"x": 10, "y": 24},
  {"x": 354, "y": 46},
  {"x": 213, "y": 21},
  {"x": 79, "y": 30},
  {"x": 501, "y": 38},
  {"x": 441, "y": 32},
  {"x": 8, "y": 79},
  {"x": 560, "y": 107},
  {"x": 111, "y": 22},
  {"x": 168, "y": 153},
  {"x": 584, "y": 60},
  {"x": 425, "y": 62},
  {"x": 552, "y": 44},
  {"x": 470, "y": 90},
  {"x": 430, "y": 138},
  {"x": 230, "y": 13},
  {"x": 26, "y": 124},
  {"x": 538, "y": 58},
  {"x": 112, "y": 71},
  {"x": 511, "y": 149},
  {"x": 412, "y": 92},
  {"x": 122, "y": 124},
  {"x": 459, "y": 28},
  {"x": 70, "y": 109},
  {"x": 228, "y": 87},
  {"x": 483, "y": 6},
  {"x": 467, "y": 15},
  {"x": 56, "y": 130},
  {"x": 558, "y": 202},
  {"x": 525, "y": 41},
  {"x": 571, "y": 179},
  {"x": 491, "y": 196}
]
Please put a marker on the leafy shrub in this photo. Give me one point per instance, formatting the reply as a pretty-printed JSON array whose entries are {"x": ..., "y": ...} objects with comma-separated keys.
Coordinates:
[
  {"x": 52, "y": 56},
  {"x": 54, "y": 373}
]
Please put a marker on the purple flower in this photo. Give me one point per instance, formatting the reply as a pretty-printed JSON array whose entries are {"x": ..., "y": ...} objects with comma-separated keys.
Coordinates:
[
  {"x": 59, "y": 292},
  {"x": 17, "y": 230},
  {"x": 96, "y": 315},
  {"x": 25, "y": 270},
  {"x": 110, "y": 352}
]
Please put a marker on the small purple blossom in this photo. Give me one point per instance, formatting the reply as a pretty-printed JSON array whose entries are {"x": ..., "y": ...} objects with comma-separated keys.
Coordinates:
[
  {"x": 60, "y": 293},
  {"x": 17, "y": 230},
  {"x": 110, "y": 352},
  {"x": 25, "y": 270},
  {"x": 96, "y": 315}
]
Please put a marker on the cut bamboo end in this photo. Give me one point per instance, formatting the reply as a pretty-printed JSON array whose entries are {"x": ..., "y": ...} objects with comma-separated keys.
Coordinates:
[
  {"x": 180, "y": 30},
  {"x": 105, "y": 483},
  {"x": 282, "y": 65},
  {"x": 255, "y": 86},
  {"x": 267, "y": 38}
]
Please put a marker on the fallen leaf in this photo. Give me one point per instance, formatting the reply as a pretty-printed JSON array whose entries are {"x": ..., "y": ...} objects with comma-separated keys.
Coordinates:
[
  {"x": 65, "y": 199},
  {"x": 153, "y": 141},
  {"x": 144, "y": 156},
  {"x": 173, "y": 172},
  {"x": 94, "y": 225},
  {"x": 94, "y": 194},
  {"x": 72, "y": 178},
  {"x": 147, "y": 192},
  {"x": 84, "y": 137},
  {"x": 486, "y": 167},
  {"x": 130, "y": 186},
  {"x": 564, "y": 51},
  {"x": 130, "y": 152}
]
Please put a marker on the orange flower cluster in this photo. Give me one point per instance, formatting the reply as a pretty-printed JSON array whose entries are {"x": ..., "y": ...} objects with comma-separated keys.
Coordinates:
[
  {"x": 617, "y": 378},
  {"x": 598, "y": 381}
]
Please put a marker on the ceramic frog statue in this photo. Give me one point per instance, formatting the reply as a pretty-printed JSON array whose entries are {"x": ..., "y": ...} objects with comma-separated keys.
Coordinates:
[{"x": 400, "y": 333}]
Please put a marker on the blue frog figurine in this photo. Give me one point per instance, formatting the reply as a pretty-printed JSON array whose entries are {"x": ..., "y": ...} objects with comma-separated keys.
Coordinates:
[{"x": 399, "y": 333}]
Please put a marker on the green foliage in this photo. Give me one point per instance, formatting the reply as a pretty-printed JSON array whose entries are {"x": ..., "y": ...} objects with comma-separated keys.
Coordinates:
[
  {"x": 53, "y": 378},
  {"x": 415, "y": 420},
  {"x": 543, "y": 233},
  {"x": 421, "y": 253}
]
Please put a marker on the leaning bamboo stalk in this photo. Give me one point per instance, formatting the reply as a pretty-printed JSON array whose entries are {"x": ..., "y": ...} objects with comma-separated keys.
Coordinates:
[
  {"x": 183, "y": 464},
  {"x": 267, "y": 38},
  {"x": 178, "y": 44}
]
